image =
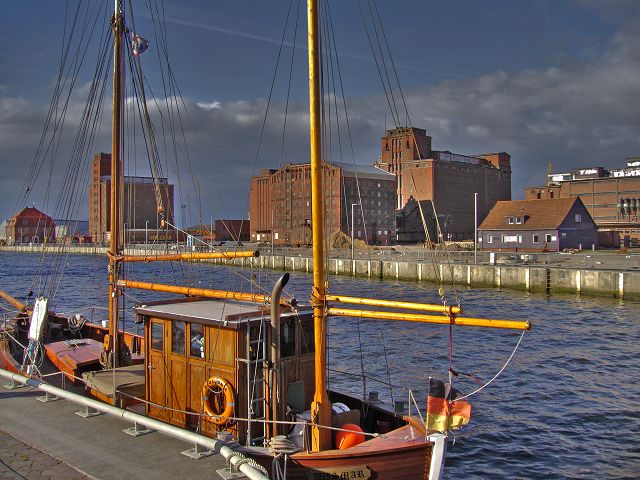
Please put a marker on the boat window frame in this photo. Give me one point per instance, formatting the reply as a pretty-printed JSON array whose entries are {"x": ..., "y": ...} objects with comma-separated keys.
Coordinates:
[
  {"x": 307, "y": 348},
  {"x": 154, "y": 339},
  {"x": 184, "y": 337},
  {"x": 288, "y": 349},
  {"x": 202, "y": 355}
]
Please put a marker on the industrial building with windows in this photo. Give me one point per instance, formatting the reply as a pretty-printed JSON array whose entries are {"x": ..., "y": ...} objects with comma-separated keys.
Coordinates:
[
  {"x": 448, "y": 180},
  {"x": 280, "y": 203},
  {"x": 611, "y": 196},
  {"x": 141, "y": 214}
]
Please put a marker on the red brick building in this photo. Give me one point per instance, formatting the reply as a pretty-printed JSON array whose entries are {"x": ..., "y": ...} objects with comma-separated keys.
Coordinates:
[
  {"x": 140, "y": 214},
  {"x": 446, "y": 179},
  {"x": 611, "y": 196},
  {"x": 280, "y": 203},
  {"x": 30, "y": 225},
  {"x": 232, "y": 230}
]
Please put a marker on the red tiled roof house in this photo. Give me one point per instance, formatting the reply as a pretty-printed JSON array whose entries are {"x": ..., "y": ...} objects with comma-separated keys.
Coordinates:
[
  {"x": 30, "y": 225},
  {"x": 538, "y": 226}
]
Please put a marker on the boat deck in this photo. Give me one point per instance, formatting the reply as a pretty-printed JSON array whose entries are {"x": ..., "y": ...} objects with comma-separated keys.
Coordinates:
[{"x": 97, "y": 446}]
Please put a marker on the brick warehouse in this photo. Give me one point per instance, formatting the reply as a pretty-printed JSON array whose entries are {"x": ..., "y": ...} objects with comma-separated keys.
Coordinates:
[
  {"x": 446, "y": 179},
  {"x": 611, "y": 196},
  {"x": 140, "y": 206},
  {"x": 280, "y": 203}
]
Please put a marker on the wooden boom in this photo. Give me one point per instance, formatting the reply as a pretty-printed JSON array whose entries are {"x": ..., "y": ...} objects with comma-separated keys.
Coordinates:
[
  {"x": 188, "y": 256},
  {"x": 13, "y": 301},
  {"x": 427, "y": 307},
  {"x": 198, "y": 292},
  {"x": 413, "y": 317}
]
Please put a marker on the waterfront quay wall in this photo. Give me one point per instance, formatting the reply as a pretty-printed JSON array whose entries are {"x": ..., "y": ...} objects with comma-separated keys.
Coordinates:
[{"x": 531, "y": 278}]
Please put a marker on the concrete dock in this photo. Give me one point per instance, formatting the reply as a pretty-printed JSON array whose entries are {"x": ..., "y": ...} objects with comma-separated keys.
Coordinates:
[
  {"x": 609, "y": 275},
  {"x": 48, "y": 441}
]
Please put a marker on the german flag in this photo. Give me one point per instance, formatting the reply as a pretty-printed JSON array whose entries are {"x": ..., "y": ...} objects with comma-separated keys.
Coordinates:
[{"x": 443, "y": 411}]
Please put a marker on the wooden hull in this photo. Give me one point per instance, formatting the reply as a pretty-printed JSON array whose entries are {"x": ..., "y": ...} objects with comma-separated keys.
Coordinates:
[{"x": 402, "y": 454}]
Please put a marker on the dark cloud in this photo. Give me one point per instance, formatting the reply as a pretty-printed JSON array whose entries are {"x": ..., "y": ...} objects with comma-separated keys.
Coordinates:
[{"x": 572, "y": 115}]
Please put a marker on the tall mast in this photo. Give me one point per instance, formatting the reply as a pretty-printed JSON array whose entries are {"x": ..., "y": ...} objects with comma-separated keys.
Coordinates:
[
  {"x": 115, "y": 244},
  {"x": 320, "y": 408}
]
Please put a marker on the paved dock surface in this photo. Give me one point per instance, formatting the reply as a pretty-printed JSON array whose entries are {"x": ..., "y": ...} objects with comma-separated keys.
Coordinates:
[
  {"x": 76, "y": 447},
  {"x": 19, "y": 461}
]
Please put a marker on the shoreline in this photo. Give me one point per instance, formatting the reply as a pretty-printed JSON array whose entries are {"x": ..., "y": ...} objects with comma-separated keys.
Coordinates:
[{"x": 613, "y": 283}]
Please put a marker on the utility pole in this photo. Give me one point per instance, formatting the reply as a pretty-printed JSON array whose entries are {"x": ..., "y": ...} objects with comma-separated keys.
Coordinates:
[{"x": 475, "y": 228}]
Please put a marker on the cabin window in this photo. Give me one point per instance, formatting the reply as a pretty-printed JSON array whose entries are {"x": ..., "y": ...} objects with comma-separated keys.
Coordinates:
[
  {"x": 177, "y": 337},
  {"x": 307, "y": 341},
  {"x": 196, "y": 340},
  {"x": 157, "y": 336},
  {"x": 287, "y": 337}
]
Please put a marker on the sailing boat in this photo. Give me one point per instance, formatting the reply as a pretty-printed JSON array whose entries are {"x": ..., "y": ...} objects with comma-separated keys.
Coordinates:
[{"x": 247, "y": 368}]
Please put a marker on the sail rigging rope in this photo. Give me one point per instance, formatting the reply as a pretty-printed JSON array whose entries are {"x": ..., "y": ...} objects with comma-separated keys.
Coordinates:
[{"x": 482, "y": 387}]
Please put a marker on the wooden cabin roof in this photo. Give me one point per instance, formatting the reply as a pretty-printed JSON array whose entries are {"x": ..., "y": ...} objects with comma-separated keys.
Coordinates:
[{"x": 207, "y": 311}]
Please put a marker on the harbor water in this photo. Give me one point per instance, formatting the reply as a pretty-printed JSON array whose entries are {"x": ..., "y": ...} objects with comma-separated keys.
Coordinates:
[{"x": 567, "y": 405}]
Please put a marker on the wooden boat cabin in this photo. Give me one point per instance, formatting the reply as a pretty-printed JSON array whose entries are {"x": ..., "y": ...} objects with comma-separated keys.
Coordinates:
[{"x": 215, "y": 358}]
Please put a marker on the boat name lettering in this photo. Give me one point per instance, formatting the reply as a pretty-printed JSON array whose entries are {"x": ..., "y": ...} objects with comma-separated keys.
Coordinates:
[{"x": 357, "y": 471}]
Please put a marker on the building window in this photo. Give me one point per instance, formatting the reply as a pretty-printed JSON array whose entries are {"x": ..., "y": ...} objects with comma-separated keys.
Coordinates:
[
  {"x": 510, "y": 220},
  {"x": 519, "y": 238},
  {"x": 578, "y": 218},
  {"x": 489, "y": 238},
  {"x": 519, "y": 220},
  {"x": 536, "y": 238},
  {"x": 563, "y": 235}
]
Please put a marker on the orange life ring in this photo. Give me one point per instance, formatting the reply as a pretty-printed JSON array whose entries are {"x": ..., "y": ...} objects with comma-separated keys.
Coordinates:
[{"x": 216, "y": 386}]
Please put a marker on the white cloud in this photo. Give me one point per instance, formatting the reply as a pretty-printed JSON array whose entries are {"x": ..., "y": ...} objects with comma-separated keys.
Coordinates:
[{"x": 209, "y": 105}]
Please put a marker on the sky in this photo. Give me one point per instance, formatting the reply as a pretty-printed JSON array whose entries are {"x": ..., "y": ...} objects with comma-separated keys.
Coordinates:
[{"x": 548, "y": 81}]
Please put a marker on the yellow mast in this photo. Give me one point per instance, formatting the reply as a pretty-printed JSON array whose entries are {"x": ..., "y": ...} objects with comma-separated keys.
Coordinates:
[
  {"x": 320, "y": 408},
  {"x": 115, "y": 246}
]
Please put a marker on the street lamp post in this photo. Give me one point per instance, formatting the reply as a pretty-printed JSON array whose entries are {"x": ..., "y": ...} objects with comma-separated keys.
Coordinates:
[
  {"x": 475, "y": 228},
  {"x": 353, "y": 228}
]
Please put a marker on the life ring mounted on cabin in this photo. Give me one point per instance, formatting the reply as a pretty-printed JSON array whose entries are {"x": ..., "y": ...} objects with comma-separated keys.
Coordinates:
[{"x": 214, "y": 391}]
